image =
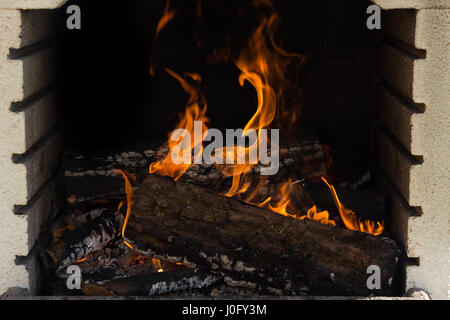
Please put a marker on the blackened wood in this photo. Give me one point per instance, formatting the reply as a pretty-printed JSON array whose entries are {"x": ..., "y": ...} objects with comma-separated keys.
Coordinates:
[
  {"x": 94, "y": 175},
  {"x": 255, "y": 248},
  {"x": 100, "y": 227},
  {"x": 157, "y": 283}
]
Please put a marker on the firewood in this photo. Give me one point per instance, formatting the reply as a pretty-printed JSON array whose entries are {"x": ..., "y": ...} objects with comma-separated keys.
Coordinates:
[
  {"x": 253, "y": 247},
  {"x": 94, "y": 176},
  {"x": 99, "y": 227},
  {"x": 153, "y": 284}
]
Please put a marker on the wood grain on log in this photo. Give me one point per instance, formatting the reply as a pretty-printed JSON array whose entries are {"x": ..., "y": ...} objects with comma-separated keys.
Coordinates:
[{"x": 253, "y": 247}]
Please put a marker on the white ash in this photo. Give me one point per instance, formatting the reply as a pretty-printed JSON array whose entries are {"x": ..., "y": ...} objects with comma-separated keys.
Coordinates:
[{"x": 194, "y": 282}]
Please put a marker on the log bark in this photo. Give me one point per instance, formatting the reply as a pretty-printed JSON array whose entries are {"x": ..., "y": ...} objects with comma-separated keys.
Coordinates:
[{"x": 253, "y": 247}]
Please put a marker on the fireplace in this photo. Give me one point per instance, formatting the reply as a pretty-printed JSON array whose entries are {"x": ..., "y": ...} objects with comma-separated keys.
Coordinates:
[{"x": 79, "y": 104}]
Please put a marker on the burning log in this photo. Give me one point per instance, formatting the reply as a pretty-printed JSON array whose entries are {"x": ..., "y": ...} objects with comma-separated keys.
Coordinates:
[
  {"x": 255, "y": 248},
  {"x": 94, "y": 176},
  {"x": 99, "y": 228}
]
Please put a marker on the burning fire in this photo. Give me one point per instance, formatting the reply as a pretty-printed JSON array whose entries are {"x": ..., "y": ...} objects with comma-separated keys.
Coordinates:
[
  {"x": 130, "y": 200},
  {"x": 322, "y": 217},
  {"x": 350, "y": 219},
  {"x": 167, "y": 16},
  {"x": 157, "y": 265},
  {"x": 193, "y": 112},
  {"x": 165, "y": 19},
  {"x": 263, "y": 65}
]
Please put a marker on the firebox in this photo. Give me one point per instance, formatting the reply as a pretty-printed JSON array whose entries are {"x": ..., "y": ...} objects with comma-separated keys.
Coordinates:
[{"x": 88, "y": 113}]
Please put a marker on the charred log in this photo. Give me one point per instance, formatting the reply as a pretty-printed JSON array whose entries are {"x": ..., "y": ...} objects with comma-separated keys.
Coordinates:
[
  {"x": 255, "y": 248},
  {"x": 94, "y": 176},
  {"x": 97, "y": 229},
  {"x": 154, "y": 283}
]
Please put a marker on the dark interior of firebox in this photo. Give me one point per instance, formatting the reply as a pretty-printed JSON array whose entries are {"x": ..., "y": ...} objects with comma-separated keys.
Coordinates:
[
  {"x": 113, "y": 104},
  {"x": 111, "y": 100}
]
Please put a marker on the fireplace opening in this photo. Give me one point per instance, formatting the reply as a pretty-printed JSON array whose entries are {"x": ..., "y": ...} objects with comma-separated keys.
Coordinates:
[
  {"x": 112, "y": 101},
  {"x": 128, "y": 85},
  {"x": 136, "y": 223}
]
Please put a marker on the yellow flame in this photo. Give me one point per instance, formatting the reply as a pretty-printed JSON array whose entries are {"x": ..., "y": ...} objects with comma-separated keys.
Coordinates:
[
  {"x": 157, "y": 265},
  {"x": 263, "y": 64},
  {"x": 193, "y": 112},
  {"x": 322, "y": 216},
  {"x": 130, "y": 200},
  {"x": 350, "y": 219},
  {"x": 167, "y": 16},
  {"x": 285, "y": 207},
  {"x": 81, "y": 260}
]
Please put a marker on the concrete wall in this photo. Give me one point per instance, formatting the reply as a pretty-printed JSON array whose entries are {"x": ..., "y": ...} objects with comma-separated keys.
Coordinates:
[
  {"x": 413, "y": 4},
  {"x": 31, "y": 4},
  {"x": 29, "y": 148},
  {"x": 413, "y": 136}
]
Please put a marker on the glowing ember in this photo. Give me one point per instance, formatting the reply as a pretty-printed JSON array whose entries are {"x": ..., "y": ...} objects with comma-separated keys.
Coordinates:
[{"x": 157, "y": 265}]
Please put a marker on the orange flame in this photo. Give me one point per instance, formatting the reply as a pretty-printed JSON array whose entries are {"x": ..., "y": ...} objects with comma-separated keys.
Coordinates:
[
  {"x": 259, "y": 65},
  {"x": 322, "y": 216},
  {"x": 285, "y": 207},
  {"x": 167, "y": 16},
  {"x": 350, "y": 219},
  {"x": 157, "y": 265},
  {"x": 193, "y": 112},
  {"x": 130, "y": 200},
  {"x": 81, "y": 260},
  {"x": 263, "y": 65}
]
